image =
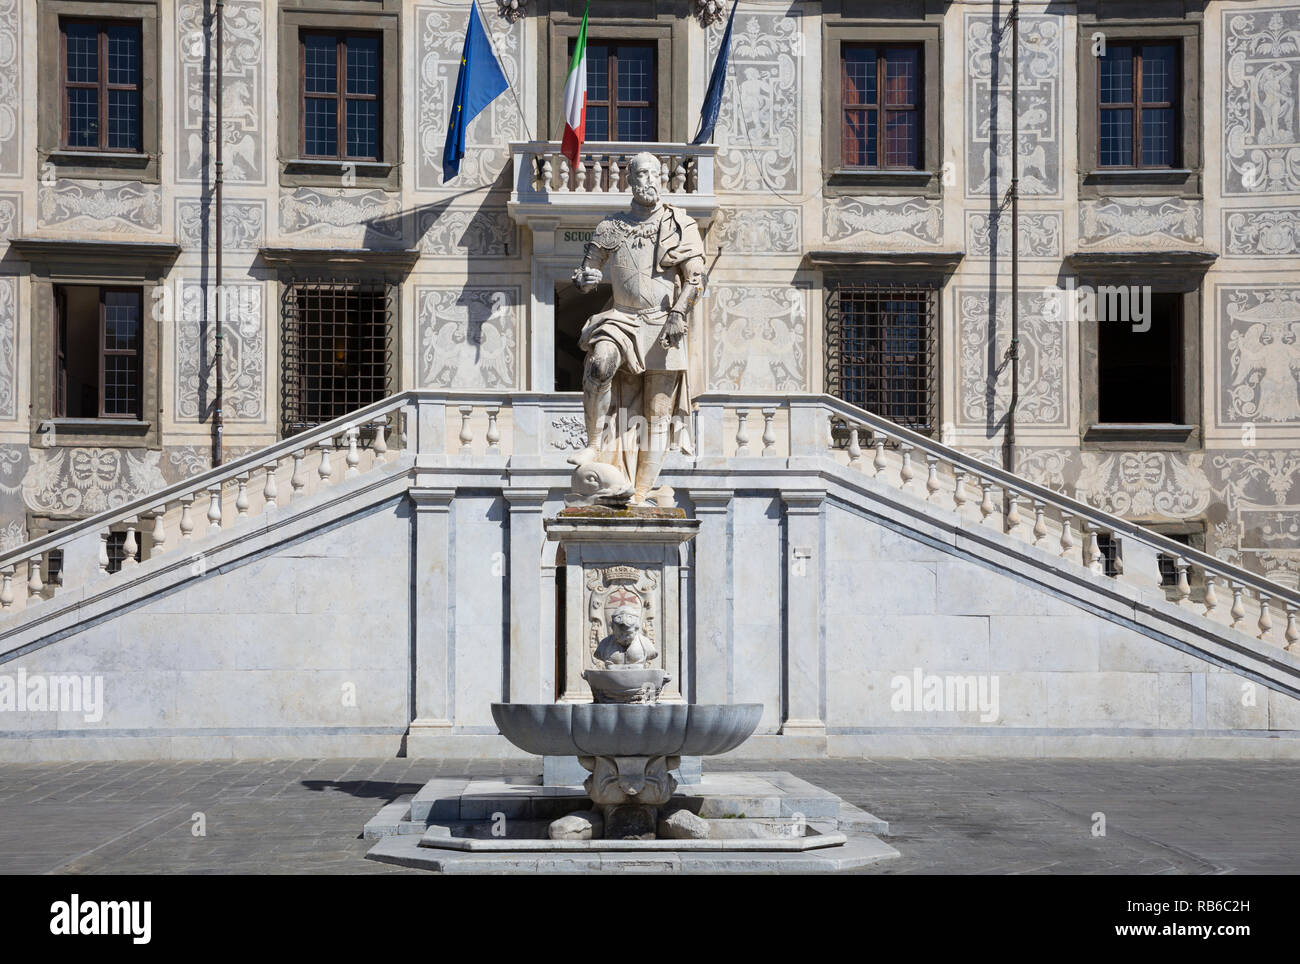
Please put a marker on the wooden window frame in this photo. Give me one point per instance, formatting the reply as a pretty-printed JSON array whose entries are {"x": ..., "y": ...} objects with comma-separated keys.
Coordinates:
[
  {"x": 61, "y": 356},
  {"x": 341, "y": 95},
  {"x": 917, "y": 107},
  {"x": 101, "y": 85},
  {"x": 613, "y": 104},
  {"x": 1137, "y": 105}
]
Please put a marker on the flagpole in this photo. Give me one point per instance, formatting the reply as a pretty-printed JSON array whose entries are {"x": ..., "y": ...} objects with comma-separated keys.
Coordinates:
[{"x": 493, "y": 44}]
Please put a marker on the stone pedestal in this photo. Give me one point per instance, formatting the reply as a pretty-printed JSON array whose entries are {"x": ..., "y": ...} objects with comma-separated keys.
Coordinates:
[{"x": 617, "y": 558}]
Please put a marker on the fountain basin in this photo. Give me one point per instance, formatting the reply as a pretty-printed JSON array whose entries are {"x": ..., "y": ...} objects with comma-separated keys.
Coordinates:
[{"x": 626, "y": 729}]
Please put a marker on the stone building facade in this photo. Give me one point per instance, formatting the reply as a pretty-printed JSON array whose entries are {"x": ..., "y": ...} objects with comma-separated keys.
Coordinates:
[{"x": 814, "y": 256}]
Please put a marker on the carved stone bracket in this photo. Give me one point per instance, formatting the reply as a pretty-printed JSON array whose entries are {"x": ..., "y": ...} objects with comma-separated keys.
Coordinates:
[{"x": 710, "y": 11}]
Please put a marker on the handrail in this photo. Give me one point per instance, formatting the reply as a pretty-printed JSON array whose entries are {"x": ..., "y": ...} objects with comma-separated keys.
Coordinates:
[
  {"x": 204, "y": 480},
  {"x": 254, "y": 460},
  {"x": 1022, "y": 486}
]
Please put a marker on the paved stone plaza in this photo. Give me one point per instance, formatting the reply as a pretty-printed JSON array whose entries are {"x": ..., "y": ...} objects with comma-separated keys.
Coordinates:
[{"x": 305, "y": 816}]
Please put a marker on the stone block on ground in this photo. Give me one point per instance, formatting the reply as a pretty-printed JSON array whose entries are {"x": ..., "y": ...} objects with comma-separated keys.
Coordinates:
[
  {"x": 682, "y": 824},
  {"x": 582, "y": 825}
]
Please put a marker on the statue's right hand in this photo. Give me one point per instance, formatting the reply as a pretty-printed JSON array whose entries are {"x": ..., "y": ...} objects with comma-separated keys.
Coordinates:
[{"x": 587, "y": 278}]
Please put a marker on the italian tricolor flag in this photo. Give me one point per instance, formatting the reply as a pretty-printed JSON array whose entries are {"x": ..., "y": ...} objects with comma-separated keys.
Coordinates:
[{"x": 575, "y": 97}]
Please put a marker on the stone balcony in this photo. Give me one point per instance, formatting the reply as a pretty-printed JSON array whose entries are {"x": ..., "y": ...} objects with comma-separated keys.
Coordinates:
[{"x": 550, "y": 193}]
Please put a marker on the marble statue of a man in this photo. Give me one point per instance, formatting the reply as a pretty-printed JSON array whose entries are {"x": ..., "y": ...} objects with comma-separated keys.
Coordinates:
[{"x": 634, "y": 382}]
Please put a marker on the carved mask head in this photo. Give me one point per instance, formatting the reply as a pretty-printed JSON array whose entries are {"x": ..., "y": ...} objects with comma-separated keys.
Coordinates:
[{"x": 626, "y": 623}]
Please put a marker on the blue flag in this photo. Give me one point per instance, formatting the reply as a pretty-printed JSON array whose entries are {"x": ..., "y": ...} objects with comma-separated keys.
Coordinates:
[
  {"x": 480, "y": 81},
  {"x": 718, "y": 80}
]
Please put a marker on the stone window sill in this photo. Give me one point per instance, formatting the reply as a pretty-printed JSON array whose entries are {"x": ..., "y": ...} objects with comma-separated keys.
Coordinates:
[
  {"x": 54, "y": 431},
  {"x": 844, "y": 181},
  {"x": 1147, "y": 433},
  {"x": 112, "y": 165},
  {"x": 324, "y": 166},
  {"x": 1138, "y": 181}
]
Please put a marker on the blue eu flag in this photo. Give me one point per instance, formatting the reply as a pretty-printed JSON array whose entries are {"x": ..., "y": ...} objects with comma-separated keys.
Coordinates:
[
  {"x": 717, "y": 81},
  {"x": 480, "y": 81}
]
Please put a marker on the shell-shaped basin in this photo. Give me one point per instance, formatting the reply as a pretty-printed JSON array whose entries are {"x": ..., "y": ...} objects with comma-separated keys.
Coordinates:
[{"x": 626, "y": 729}]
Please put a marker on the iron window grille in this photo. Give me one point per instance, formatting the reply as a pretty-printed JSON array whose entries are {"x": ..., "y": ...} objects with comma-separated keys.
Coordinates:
[
  {"x": 337, "y": 349},
  {"x": 1108, "y": 547},
  {"x": 99, "y": 71},
  {"x": 117, "y": 549},
  {"x": 1137, "y": 106},
  {"x": 880, "y": 350}
]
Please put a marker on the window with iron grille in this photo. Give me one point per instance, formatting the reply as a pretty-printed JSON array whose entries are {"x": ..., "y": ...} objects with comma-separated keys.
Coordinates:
[
  {"x": 880, "y": 350},
  {"x": 1138, "y": 90},
  {"x": 336, "y": 350},
  {"x": 117, "y": 550},
  {"x": 101, "y": 85},
  {"x": 880, "y": 99}
]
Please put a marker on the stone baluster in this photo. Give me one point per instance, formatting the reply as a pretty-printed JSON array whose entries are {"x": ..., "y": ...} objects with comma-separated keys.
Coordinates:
[
  {"x": 580, "y": 174},
  {"x": 679, "y": 175},
  {"x": 566, "y": 175},
  {"x": 103, "y": 552},
  {"x": 493, "y": 431},
  {"x": 1092, "y": 556},
  {"x": 269, "y": 491},
  {"x": 466, "y": 435},
  {"x": 931, "y": 477},
  {"x": 742, "y": 432},
  {"x": 1265, "y": 624},
  {"x": 987, "y": 508},
  {"x": 130, "y": 545},
  {"x": 158, "y": 535},
  {"x": 1013, "y": 513},
  {"x": 325, "y": 469},
  {"x": 548, "y": 172},
  {"x": 664, "y": 162},
  {"x": 905, "y": 473},
  {"x": 1183, "y": 584},
  {"x": 879, "y": 463},
  {"x": 1211, "y": 596},
  {"x": 1040, "y": 524},
  {"x": 241, "y": 497},
  {"x": 958, "y": 490},
  {"x": 353, "y": 458},
  {"x": 1292, "y": 634},
  {"x": 298, "y": 481},
  {"x": 855, "y": 447},
  {"x": 7, "y": 587},
  {"x": 214, "y": 507},
  {"x": 613, "y": 174},
  {"x": 380, "y": 444},
  {"x": 1067, "y": 534},
  {"x": 769, "y": 431},
  {"x": 1238, "y": 610},
  {"x": 34, "y": 584}
]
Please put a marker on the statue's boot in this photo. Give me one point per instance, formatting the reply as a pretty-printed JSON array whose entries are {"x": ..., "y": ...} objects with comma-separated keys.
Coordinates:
[
  {"x": 595, "y": 406},
  {"x": 650, "y": 462}
]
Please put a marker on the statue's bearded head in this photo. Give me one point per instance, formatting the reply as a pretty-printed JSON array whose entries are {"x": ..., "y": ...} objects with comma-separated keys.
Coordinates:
[{"x": 643, "y": 178}]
